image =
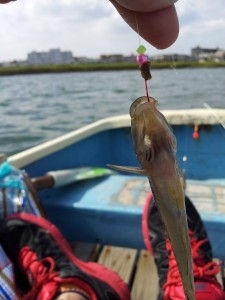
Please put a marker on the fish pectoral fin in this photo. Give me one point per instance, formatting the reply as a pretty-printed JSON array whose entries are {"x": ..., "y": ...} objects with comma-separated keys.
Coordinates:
[{"x": 127, "y": 169}]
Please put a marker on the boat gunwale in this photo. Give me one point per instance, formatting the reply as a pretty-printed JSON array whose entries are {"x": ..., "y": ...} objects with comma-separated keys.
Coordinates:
[{"x": 174, "y": 117}]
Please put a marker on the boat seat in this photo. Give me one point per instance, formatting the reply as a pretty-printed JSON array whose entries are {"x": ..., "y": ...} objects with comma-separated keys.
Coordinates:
[
  {"x": 108, "y": 210},
  {"x": 105, "y": 210}
]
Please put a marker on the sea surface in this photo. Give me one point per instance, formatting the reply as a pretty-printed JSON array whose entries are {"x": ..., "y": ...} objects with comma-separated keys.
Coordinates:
[{"x": 36, "y": 108}]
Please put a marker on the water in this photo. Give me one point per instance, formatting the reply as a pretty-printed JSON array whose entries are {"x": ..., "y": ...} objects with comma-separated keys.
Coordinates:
[{"x": 36, "y": 108}]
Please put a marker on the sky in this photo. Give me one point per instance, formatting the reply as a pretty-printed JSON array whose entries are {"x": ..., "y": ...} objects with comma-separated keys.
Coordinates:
[{"x": 93, "y": 27}]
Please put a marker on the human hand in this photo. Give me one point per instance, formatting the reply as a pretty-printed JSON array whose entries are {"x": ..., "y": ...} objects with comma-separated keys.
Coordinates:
[
  {"x": 155, "y": 20},
  {"x": 5, "y": 1}
]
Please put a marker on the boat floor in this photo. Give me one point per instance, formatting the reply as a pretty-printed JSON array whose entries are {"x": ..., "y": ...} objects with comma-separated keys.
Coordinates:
[{"x": 136, "y": 267}]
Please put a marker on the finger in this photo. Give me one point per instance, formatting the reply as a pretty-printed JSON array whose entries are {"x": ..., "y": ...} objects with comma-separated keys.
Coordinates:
[
  {"x": 159, "y": 28},
  {"x": 145, "y": 5},
  {"x": 5, "y": 1}
]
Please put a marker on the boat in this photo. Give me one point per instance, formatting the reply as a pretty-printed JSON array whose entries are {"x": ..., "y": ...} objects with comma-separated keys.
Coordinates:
[{"x": 107, "y": 208}]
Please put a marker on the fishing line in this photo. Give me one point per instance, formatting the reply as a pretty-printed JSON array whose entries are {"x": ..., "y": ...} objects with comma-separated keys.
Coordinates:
[
  {"x": 215, "y": 114},
  {"x": 139, "y": 37},
  {"x": 217, "y": 117},
  {"x": 143, "y": 61},
  {"x": 185, "y": 157},
  {"x": 146, "y": 89}
]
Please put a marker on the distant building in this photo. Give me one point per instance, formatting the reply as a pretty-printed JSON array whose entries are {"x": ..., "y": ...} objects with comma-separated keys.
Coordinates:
[
  {"x": 83, "y": 59},
  {"x": 13, "y": 63},
  {"x": 130, "y": 58},
  {"x": 199, "y": 53},
  {"x": 171, "y": 57},
  {"x": 112, "y": 58},
  {"x": 219, "y": 55},
  {"x": 52, "y": 57}
]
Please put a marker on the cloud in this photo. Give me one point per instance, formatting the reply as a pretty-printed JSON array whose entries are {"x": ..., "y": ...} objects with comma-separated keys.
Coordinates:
[
  {"x": 199, "y": 10},
  {"x": 86, "y": 27},
  {"x": 93, "y": 27},
  {"x": 202, "y": 23}
]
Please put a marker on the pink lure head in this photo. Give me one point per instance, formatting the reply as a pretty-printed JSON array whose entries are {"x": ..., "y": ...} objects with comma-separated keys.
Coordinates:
[{"x": 141, "y": 59}]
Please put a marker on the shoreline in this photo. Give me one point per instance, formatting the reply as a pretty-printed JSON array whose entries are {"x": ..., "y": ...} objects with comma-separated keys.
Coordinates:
[{"x": 92, "y": 67}]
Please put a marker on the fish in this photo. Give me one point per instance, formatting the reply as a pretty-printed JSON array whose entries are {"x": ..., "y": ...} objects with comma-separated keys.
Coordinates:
[{"x": 155, "y": 147}]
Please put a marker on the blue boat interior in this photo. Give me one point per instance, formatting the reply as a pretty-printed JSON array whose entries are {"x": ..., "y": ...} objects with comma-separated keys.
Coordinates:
[{"x": 108, "y": 210}]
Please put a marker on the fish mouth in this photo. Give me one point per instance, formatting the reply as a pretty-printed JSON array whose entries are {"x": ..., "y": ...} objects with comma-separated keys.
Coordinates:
[
  {"x": 136, "y": 103},
  {"x": 139, "y": 101}
]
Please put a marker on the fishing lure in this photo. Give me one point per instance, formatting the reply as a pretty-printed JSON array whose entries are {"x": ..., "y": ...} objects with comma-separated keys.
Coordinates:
[
  {"x": 144, "y": 65},
  {"x": 143, "y": 62}
]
